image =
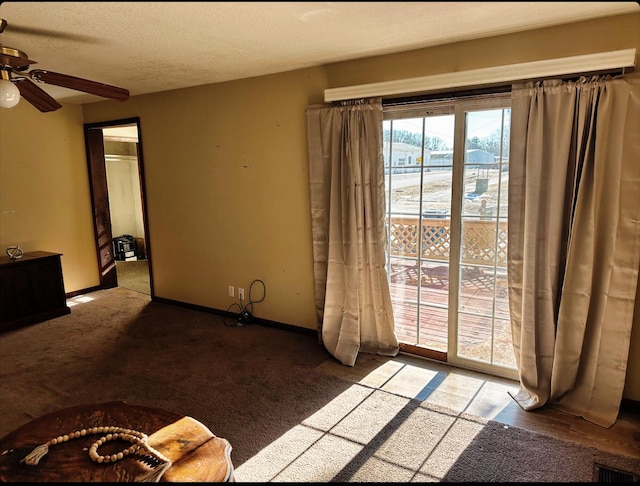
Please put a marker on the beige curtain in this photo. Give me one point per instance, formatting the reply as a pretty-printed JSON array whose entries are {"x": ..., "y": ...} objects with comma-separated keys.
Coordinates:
[
  {"x": 346, "y": 174},
  {"x": 574, "y": 241}
]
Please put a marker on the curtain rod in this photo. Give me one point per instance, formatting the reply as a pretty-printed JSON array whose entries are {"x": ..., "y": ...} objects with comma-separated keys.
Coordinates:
[{"x": 475, "y": 77}]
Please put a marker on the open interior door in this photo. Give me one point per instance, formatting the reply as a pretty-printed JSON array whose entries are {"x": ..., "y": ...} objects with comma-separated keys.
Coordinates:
[{"x": 100, "y": 203}]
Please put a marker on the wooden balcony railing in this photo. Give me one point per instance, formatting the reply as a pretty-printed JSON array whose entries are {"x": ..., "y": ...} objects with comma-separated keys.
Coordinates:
[{"x": 479, "y": 242}]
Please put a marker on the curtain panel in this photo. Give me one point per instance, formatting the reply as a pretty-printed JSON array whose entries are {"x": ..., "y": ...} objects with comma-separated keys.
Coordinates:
[
  {"x": 574, "y": 241},
  {"x": 346, "y": 176}
]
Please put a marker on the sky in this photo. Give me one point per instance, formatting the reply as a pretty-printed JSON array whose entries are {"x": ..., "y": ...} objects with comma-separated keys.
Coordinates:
[{"x": 481, "y": 124}]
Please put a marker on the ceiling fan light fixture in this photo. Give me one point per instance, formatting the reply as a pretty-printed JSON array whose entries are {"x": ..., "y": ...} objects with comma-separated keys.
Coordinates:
[
  {"x": 15, "y": 62},
  {"x": 9, "y": 94}
]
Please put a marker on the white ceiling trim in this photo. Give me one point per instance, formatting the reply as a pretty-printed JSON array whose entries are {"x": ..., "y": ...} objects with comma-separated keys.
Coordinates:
[{"x": 601, "y": 61}]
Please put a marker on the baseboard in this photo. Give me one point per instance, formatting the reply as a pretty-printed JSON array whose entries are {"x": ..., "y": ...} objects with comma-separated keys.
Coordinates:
[
  {"x": 234, "y": 315},
  {"x": 88, "y": 290}
]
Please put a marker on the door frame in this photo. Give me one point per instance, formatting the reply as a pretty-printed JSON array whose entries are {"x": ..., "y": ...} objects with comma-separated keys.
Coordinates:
[
  {"x": 459, "y": 108},
  {"x": 103, "y": 235}
]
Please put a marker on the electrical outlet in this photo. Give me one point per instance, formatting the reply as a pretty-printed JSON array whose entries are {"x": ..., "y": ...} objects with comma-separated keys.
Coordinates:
[
  {"x": 240, "y": 293},
  {"x": 232, "y": 291}
]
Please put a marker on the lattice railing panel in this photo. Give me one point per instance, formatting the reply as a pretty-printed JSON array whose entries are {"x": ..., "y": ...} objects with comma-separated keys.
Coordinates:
[
  {"x": 404, "y": 238},
  {"x": 479, "y": 242},
  {"x": 478, "y": 245},
  {"x": 435, "y": 239}
]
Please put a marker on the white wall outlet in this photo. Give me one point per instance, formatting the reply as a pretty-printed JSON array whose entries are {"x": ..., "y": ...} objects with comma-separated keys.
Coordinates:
[
  {"x": 240, "y": 293},
  {"x": 232, "y": 291}
]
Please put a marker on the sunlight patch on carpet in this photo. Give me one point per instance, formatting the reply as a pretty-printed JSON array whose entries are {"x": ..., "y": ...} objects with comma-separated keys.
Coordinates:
[
  {"x": 400, "y": 375},
  {"x": 362, "y": 432},
  {"x": 81, "y": 299}
]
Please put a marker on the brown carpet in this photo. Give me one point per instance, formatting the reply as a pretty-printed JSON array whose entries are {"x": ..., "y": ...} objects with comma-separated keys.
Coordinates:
[
  {"x": 262, "y": 389},
  {"x": 134, "y": 275}
]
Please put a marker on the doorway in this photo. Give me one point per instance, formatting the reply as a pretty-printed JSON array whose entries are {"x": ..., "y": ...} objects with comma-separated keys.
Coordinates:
[
  {"x": 446, "y": 174},
  {"x": 116, "y": 174}
]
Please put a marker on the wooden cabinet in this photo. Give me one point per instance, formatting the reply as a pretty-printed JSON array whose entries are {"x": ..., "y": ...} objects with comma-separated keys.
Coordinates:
[{"x": 31, "y": 289}]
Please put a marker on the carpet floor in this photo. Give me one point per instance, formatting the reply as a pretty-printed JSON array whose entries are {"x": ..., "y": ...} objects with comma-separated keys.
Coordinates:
[
  {"x": 263, "y": 389},
  {"x": 134, "y": 275}
]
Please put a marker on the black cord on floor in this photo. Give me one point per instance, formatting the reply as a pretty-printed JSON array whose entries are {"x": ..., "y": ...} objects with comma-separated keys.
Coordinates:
[
  {"x": 244, "y": 316},
  {"x": 237, "y": 322}
]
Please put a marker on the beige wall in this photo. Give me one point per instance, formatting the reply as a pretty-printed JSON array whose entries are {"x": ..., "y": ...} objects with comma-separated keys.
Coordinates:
[
  {"x": 226, "y": 171},
  {"x": 227, "y": 191},
  {"x": 613, "y": 33},
  {"x": 44, "y": 189}
]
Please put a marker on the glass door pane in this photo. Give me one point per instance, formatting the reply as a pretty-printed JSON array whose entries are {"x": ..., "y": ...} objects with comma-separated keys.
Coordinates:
[
  {"x": 484, "y": 332},
  {"x": 418, "y": 168}
]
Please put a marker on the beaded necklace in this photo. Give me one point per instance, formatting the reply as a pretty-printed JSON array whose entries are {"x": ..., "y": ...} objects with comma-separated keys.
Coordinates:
[{"x": 157, "y": 461}]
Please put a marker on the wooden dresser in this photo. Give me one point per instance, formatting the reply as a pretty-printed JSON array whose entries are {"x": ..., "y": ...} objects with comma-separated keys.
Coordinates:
[{"x": 31, "y": 289}]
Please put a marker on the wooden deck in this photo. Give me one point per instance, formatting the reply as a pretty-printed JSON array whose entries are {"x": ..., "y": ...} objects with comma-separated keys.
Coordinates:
[{"x": 426, "y": 324}]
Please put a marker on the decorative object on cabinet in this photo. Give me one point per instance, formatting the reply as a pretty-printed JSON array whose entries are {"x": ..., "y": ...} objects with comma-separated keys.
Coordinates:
[{"x": 15, "y": 252}]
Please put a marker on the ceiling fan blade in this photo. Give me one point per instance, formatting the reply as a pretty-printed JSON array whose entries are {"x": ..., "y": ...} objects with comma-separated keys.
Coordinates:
[
  {"x": 80, "y": 84},
  {"x": 21, "y": 29},
  {"x": 37, "y": 96}
]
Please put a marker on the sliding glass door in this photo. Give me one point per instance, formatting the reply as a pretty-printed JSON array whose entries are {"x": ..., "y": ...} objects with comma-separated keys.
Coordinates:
[{"x": 447, "y": 167}]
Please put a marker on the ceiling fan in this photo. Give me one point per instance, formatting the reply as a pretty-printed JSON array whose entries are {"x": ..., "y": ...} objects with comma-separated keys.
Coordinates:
[{"x": 14, "y": 69}]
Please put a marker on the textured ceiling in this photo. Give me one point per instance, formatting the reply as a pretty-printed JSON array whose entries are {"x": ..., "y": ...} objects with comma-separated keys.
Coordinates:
[{"x": 148, "y": 47}]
